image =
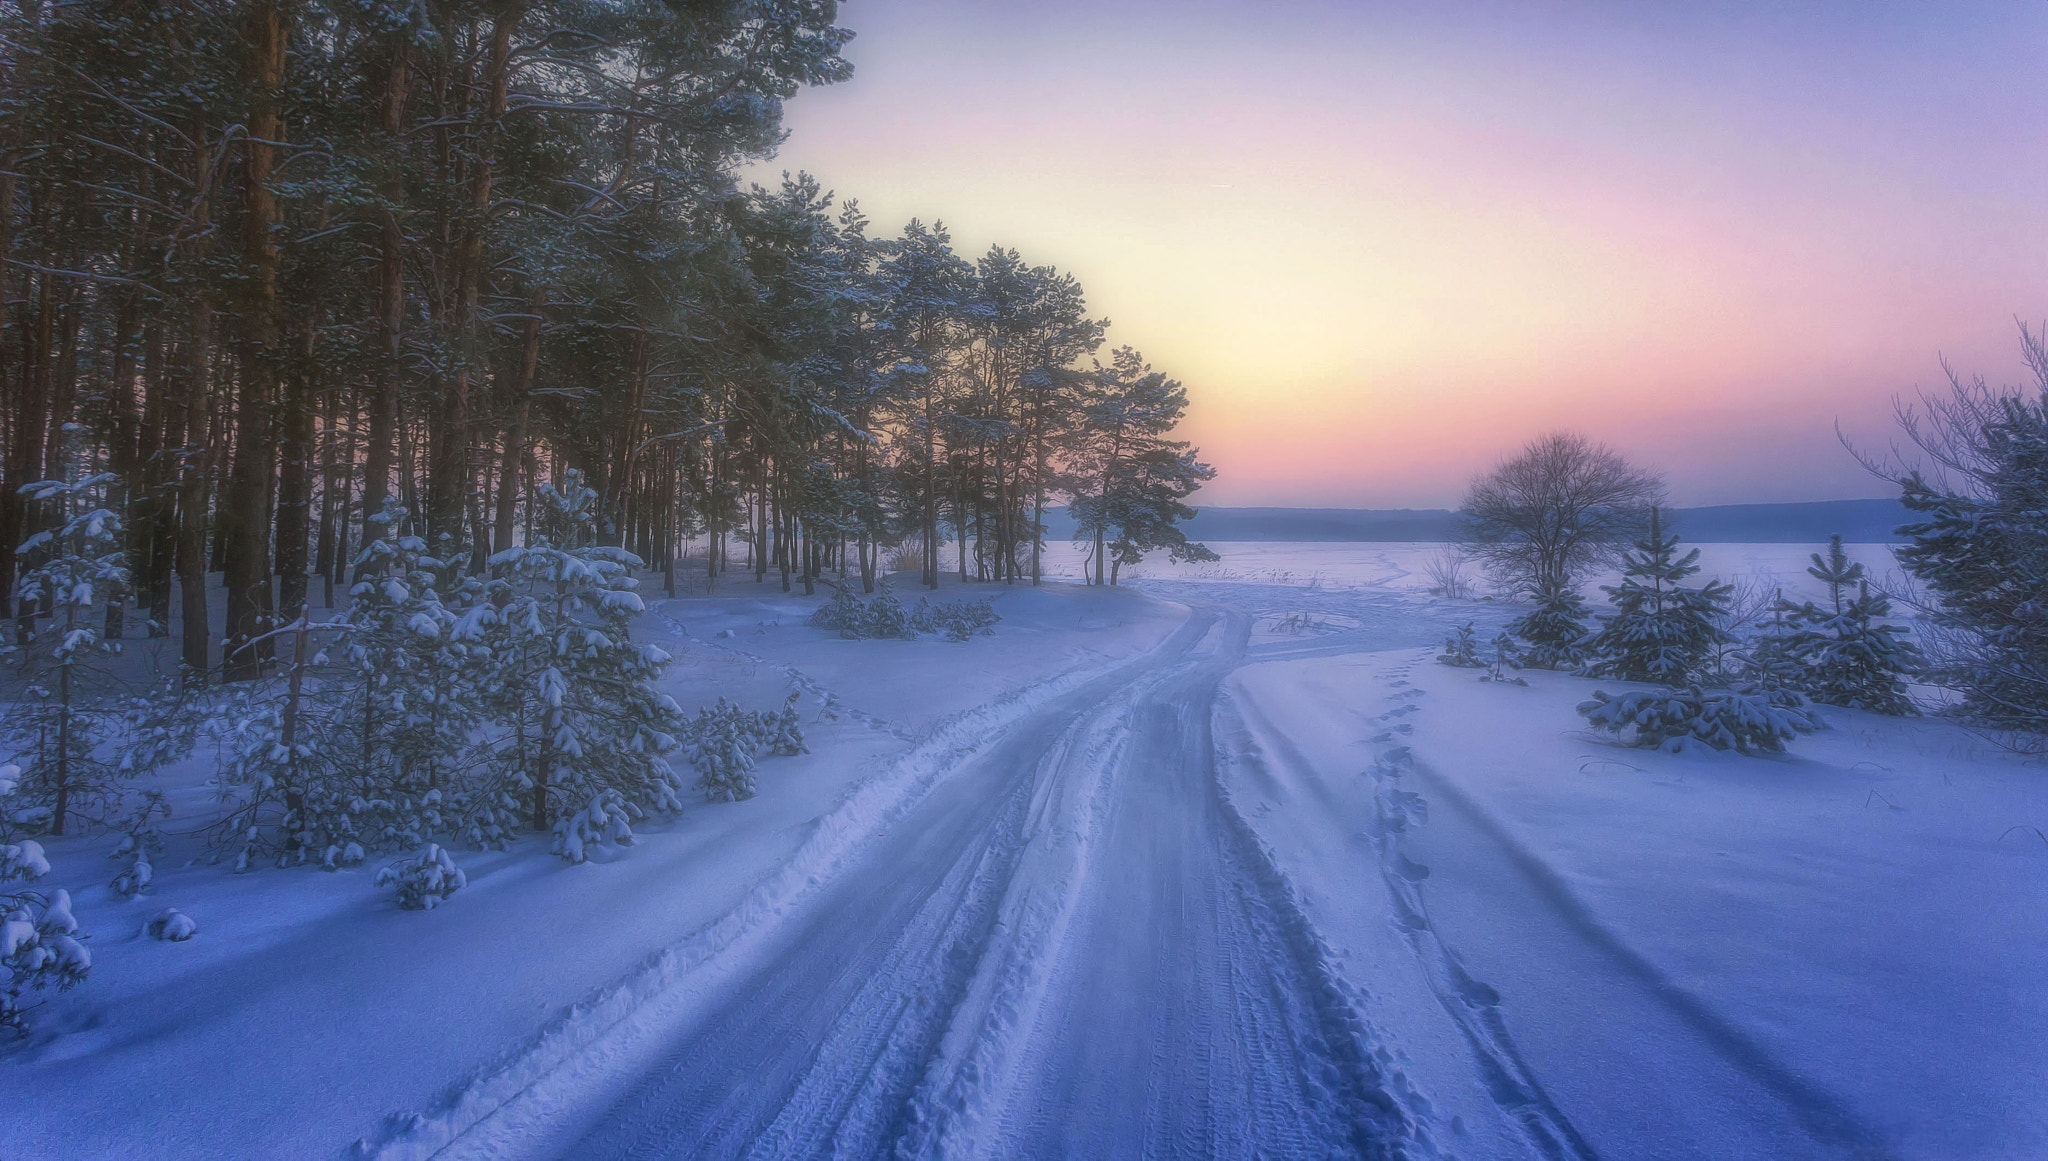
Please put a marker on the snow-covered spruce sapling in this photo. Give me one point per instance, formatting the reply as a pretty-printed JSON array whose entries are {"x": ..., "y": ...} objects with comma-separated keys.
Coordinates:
[
  {"x": 956, "y": 620},
  {"x": 1858, "y": 661},
  {"x": 142, "y": 842},
  {"x": 1505, "y": 658},
  {"x": 423, "y": 880},
  {"x": 1555, "y": 630},
  {"x": 782, "y": 731},
  {"x": 1661, "y": 630},
  {"x": 61, "y": 727},
  {"x": 606, "y": 820},
  {"x": 723, "y": 742},
  {"x": 1461, "y": 649},
  {"x": 881, "y": 616},
  {"x": 572, "y": 695},
  {"x": 1670, "y": 719},
  {"x": 1774, "y": 662},
  {"x": 403, "y": 694},
  {"x": 41, "y": 947}
]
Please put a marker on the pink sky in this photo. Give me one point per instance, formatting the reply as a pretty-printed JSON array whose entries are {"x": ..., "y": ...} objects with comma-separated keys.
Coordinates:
[{"x": 1384, "y": 244}]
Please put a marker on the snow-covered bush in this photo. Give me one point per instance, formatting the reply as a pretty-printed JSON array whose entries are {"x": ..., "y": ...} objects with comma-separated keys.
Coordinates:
[
  {"x": 1444, "y": 574},
  {"x": 1555, "y": 630},
  {"x": 142, "y": 840},
  {"x": 723, "y": 742},
  {"x": 424, "y": 880},
  {"x": 1506, "y": 657},
  {"x": 880, "y": 616},
  {"x": 782, "y": 731},
  {"x": 172, "y": 926},
  {"x": 607, "y": 820},
  {"x": 957, "y": 620},
  {"x": 1661, "y": 630},
  {"x": 364, "y": 741},
  {"x": 1851, "y": 658},
  {"x": 573, "y": 699},
  {"x": 1724, "y": 719},
  {"x": 1461, "y": 649},
  {"x": 41, "y": 947}
]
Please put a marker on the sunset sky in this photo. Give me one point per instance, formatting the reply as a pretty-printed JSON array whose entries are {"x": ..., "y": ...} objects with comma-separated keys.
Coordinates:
[{"x": 1384, "y": 244}]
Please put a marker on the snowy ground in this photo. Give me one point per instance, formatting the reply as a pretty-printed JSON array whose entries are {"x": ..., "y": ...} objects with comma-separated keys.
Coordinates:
[{"x": 1218, "y": 865}]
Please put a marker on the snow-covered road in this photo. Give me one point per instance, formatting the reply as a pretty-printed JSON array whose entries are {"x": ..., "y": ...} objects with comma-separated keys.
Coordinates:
[
  {"x": 1069, "y": 946},
  {"x": 1074, "y": 942}
]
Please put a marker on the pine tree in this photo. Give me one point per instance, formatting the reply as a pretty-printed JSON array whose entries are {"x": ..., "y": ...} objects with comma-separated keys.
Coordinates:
[
  {"x": 1861, "y": 663},
  {"x": 1556, "y": 629},
  {"x": 1775, "y": 663},
  {"x": 1836, "y": 571},
  {"x": 40, "y": 943},
  {"x": 588, "y": 731},
  {"x": 403, "y": 696},
  {"x": 1461, "y": 649},
  {"x": 1661, "y": 630},
  {"x": 71, "y": 710}
]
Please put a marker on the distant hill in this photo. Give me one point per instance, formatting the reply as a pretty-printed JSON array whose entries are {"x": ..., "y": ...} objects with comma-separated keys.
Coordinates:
[{"x": 1811, "y": 522}]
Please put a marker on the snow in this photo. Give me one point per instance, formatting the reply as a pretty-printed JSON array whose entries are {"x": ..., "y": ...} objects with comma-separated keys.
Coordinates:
[{"x": 1222, "y": 863}]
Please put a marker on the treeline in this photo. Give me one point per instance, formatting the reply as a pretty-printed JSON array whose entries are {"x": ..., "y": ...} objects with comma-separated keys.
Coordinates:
[{"x": 270, "y": 264}]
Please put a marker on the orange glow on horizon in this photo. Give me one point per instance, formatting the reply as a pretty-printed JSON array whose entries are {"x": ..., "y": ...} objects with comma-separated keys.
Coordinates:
[{"x": 1384, "y": 258}]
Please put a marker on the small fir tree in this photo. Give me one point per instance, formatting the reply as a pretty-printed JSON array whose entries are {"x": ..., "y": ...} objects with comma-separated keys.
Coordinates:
[
  {"x": 1774, "y": 663},
  {"x": 574, "y": 694},
  {"x": 1661, "y": 630},
  {"x": 61, "y": 729},
  {"x": 1461, "y": 649},
  {"x": 41, "y": 947},
  {"x": 1555, "y": 630},
  {"x": 1859, "y": 661}
]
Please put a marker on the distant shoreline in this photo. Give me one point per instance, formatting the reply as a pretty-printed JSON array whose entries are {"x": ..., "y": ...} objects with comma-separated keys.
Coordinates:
[{"x": 1857, "y": 521}]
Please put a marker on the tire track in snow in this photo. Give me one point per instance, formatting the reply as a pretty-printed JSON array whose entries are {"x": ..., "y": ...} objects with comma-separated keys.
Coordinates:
[
  {"x": 1186, "y": 940},
  {"x": 1475, "y": 1006},
  {"x": 533, "y": 1091}
]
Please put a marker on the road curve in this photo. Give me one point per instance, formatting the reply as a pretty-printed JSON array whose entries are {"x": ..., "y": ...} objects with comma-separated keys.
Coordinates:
[{"x": 1069, "y": 947}]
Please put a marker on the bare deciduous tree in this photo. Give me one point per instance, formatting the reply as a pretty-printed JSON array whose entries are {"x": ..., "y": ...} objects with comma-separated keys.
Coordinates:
[{"x": 1562, "y": 506}]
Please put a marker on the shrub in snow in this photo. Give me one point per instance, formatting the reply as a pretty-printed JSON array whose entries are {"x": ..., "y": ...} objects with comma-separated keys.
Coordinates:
[
  {"x": 1461, "y": 649},
  {"x": 402, "y": 694},
  {"x": 1555, "y": 630},
  {"x": 880, "y": 616},
  {"x": 573, "y": 698},
  {"x": 1661, "y": 630},
  {"x": 723, "y": 742},
  {"x": 605, "y": 820},
  {"x": 1506, "y": 657},
  {"x": 424, "y": 880},
  {"x": 782, "y": 731},
  {"x": 1724, "y": 719},
  {"x": 142, "y": 840},
  {"x": 173, "y": 926},
  {"x": 957, "y": 620},
  {"x": 367, "y": 742},
  {"x": 40, "y": 945}
]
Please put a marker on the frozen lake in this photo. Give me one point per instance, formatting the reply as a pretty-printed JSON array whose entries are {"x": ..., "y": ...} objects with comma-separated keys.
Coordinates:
[{"x": 1401, "y": 567}]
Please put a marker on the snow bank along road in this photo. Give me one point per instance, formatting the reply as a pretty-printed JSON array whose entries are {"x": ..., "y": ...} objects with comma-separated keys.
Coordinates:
[{"x": 1071, "y": 935}]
